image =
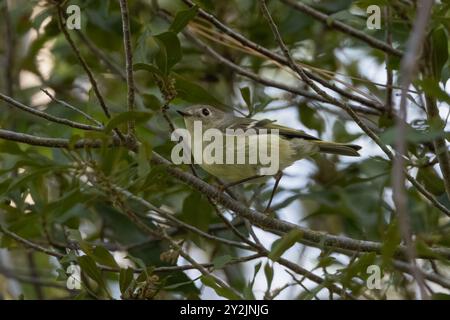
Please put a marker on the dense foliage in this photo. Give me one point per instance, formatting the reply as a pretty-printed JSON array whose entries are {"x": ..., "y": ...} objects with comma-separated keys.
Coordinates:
[{"x": 101, "y": 198}]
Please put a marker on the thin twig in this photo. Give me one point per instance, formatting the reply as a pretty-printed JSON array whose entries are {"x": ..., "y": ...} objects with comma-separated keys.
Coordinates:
[
  {"x": 315, "y": 278},
  {"x": 83, "y": 63},
  {"x": 246, "y": 73},
  {"x": 203, "y": 270},
  {"x": 345, "y": 105},
  {"x": 101, "y": 55},
  {"x": 11, "y": 274},
  {"x": 71, "y": 107},
  {"x": 408, "y": 69},
  {"x": 47, "y": 116},
  {"x": 310, "y": 237},
  {"x": 9, "y": 51},
  {"x": 389, "y": 73},
  {"x": 342, "y": 27},
  {"x": 88, "y": 71},
  {"x": 128, "y": 59},
  {"x": 169, "y": 216},
  {"x": 30, "y": 244},
  {"x": 279, "y": 58}
]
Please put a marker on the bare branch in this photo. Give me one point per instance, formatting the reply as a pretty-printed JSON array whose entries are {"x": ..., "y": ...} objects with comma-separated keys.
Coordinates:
[
  {"x": 281, "y": 59},
  {"x": 11, "y": 274},
  {"x": 344, "y": 105},
  {"x": 342, "y": 27},
  {"x": 267, "y": 82},
  {"x": 310, "y": 237},
  {"x": 389, "y": 73},
  {"x": 408, "y": 69},
  {"x": 47, "y": 116},
  {"x": 49, "y": 142},
  {"x": 9, "y": 51},
  {"x": 315, "y": 278},
  {"x": 203, "y": 270},
  {"x": 30, "y": 244},
  {"x": 111, "y": 65},
  {"x": 83, "y": 63},
  {"x": 71, "y": 107},
  {"x": 128, "y": 59}
]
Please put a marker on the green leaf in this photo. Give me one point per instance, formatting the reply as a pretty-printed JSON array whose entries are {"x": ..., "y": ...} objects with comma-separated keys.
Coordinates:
[
  {"x": 220, "y": 261},
  {"x": 151, "y": 102},
  {"x": 429, "y": 177},
  {"x": 142, "y": 51},
  {"x": 144, "y": 157},
  {"x": 89, "y": 266},
  {"x": 311, "y": 118},
  {"x": 137, "y": 116},
  {"x": 194, "y": 93},
  {"x": 221, "y": 291},
  {"x": 169, "y": 51},
  {"x": 432, "y": 88},
  {"x": 283, "y": 244},
  {"x": 440, "y": 296},
  {"x": 268, "y": 272},
  {"x": 125, "y": 279},
  {"x": 358, "y": 268},
  {"x": 439, "y": 50},
  {"x": 147, "y": 67},
  {"x": 139, "y": 262},
  {"x": 182, "y": 18},
  {"x": 391, "y": 241},
  {"x": 341, "y": 135},
  {"x": 197, "y": 211},
  {"x": 326, "y": 261},
  {"x": 412, "y": 135},
  {"x": 27, "y": 177},
  {"x": 246, "y": 95},
  {"x": 104, "y": 257}
]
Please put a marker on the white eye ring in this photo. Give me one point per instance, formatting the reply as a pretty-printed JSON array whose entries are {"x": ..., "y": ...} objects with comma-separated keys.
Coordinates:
[{"x": 206, "y": 112}]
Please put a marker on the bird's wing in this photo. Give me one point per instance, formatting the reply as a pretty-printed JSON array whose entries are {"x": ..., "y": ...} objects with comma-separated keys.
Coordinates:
[{"x": 247, "y": 123}]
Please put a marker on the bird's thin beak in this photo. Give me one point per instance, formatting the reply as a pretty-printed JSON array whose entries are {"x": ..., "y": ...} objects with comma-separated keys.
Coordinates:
[{"x": 184, "y": 113}]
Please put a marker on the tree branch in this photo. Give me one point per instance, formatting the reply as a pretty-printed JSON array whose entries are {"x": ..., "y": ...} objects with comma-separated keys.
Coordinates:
[
  {"x": 342, "y": 27},
  {"x": 30, "y": 244},
  {"x": 408, "y": 69},
  {"x": 310, "y": 237},
  {"x": 111, "y": 65},
  {"x": 82, "y": 61},
  {"x": 47, "y": 116},
  {"x": 244, "y": 72},
  {"x": 344, "y": 105},
  {"x": 9, "y": 51},
  {"x": 279, "y": 58},
  {"x": 128, "y": 59},
  {"x": 51, "y": 142}
]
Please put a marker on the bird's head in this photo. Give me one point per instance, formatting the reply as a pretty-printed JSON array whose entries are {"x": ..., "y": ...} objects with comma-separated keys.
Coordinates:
[{"x": 210, "y": 117}]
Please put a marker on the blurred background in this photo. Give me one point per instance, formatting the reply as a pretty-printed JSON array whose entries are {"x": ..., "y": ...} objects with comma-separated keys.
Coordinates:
[{"x": 46, "y": 198}]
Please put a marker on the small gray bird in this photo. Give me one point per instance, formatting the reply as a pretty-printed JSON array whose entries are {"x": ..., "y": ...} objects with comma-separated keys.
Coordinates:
[{"x": 293, "y": 144}]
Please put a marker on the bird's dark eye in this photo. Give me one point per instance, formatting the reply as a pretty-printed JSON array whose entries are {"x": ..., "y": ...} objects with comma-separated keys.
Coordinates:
[{"x": 206, "y": 112}]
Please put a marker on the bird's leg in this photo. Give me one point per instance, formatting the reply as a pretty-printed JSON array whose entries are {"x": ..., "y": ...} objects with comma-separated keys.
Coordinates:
[
  {"x": 223, "y": 187},
  {"x": 277, "y": 177},
  {"x": 235, "y": 183}
]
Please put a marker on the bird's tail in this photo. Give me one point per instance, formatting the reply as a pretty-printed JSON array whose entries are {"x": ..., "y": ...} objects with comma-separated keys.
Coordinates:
[{"x": 338, "y": 148}]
